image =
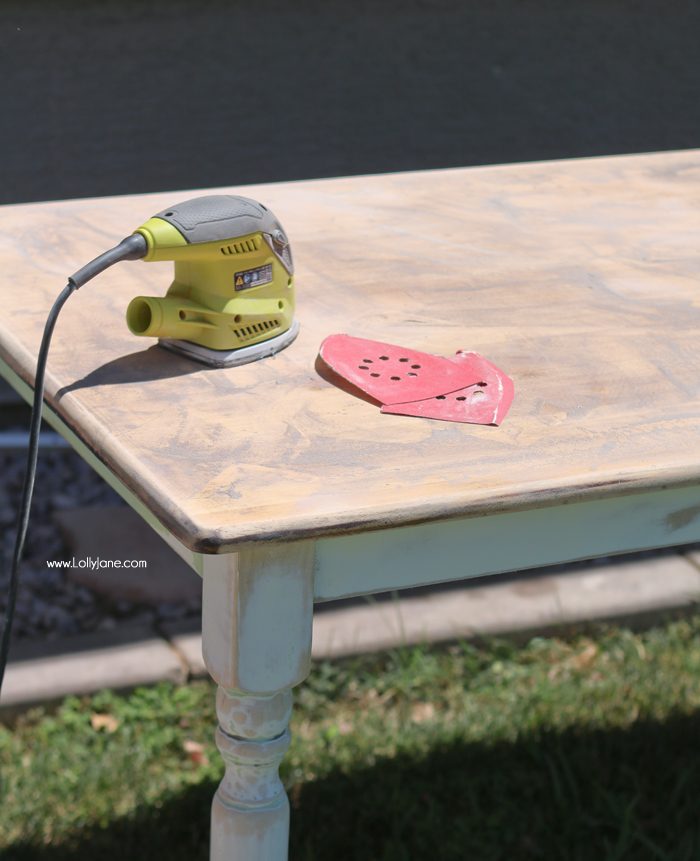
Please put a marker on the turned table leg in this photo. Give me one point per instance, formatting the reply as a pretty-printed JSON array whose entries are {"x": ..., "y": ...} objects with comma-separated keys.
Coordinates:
[
  {"x": 257, "y": 619},
  {"x": 250, "y": 813}
]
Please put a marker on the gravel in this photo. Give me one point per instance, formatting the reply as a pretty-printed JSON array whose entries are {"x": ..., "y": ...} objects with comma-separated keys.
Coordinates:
[{"x": 48, "y": 605}]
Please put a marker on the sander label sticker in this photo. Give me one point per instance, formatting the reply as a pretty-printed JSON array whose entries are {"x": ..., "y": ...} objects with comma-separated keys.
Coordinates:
[{"x": 253, "y": 277}]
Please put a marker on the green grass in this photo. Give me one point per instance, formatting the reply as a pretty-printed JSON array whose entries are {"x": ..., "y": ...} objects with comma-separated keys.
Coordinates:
[{"x": 587, "y": 748}]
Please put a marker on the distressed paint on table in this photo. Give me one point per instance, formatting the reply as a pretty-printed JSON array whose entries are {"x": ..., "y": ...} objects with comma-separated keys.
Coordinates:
[{"x": 578, "y": 278}]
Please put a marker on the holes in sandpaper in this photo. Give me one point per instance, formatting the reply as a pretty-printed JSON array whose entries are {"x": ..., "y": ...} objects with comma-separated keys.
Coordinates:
[
  {"x": 473, "y": 396},
  {"x": 367, "y": 362}
]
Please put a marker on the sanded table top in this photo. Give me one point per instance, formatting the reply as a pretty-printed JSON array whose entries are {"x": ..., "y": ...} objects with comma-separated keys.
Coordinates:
[{"x": 581, "y": 279}]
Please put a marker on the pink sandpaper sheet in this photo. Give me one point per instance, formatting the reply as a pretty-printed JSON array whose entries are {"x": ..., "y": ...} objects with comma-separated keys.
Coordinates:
[
  {"x": 391, "y": 374},
  {"x": 464, "y": 388}
]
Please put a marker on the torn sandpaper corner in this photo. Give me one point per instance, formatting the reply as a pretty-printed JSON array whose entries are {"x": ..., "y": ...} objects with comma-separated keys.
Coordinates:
[{"x": 464, "y": 388}]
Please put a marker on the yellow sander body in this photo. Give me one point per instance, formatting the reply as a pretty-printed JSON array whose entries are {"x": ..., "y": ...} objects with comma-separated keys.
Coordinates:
[{"x": 232, "y": 298}]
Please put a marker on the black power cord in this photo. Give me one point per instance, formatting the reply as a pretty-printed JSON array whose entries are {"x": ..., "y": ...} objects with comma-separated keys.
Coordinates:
[{"x": 131, "y": 248}]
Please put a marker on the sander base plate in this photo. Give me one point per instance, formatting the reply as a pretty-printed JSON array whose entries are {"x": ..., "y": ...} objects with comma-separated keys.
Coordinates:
[{"x": 232, "y": 358}]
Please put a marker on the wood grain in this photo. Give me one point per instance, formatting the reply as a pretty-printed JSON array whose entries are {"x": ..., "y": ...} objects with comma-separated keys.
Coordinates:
[{"x": 579, "y": 279}]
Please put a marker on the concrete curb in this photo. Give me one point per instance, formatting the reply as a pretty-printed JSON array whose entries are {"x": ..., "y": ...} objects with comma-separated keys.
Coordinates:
[
  {"x": 631, "y": 587},
  {"x": 120, "y": 659}
]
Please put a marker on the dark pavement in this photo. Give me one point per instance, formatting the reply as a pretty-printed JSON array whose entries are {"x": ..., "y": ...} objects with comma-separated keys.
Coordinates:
[{"x": 103, "y": 98}]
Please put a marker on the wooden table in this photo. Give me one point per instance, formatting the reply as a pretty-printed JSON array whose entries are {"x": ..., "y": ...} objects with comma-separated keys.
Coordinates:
[{"x": 580, "y": 279}]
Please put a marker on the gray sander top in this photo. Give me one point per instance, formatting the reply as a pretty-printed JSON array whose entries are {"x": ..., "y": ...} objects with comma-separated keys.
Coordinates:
[{"x": 219, "y": 216}]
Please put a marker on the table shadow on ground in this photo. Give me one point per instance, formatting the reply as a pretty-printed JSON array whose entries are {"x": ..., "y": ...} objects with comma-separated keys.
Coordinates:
[{"x": 581, "y": 795}]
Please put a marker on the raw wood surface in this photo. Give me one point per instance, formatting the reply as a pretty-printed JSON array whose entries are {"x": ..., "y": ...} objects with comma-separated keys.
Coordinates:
[{"x": 580, "y": 279}]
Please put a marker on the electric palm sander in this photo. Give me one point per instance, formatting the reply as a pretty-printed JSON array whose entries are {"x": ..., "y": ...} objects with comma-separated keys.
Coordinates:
[{"x": 232, "y": 297}]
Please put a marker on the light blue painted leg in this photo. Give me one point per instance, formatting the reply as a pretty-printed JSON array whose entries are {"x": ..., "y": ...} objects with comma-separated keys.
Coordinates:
[{"x": 257, "y": 620}]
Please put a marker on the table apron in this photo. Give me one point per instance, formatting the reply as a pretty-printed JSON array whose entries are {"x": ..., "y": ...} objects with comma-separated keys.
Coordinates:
[{"x": 469, "y": 547}]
